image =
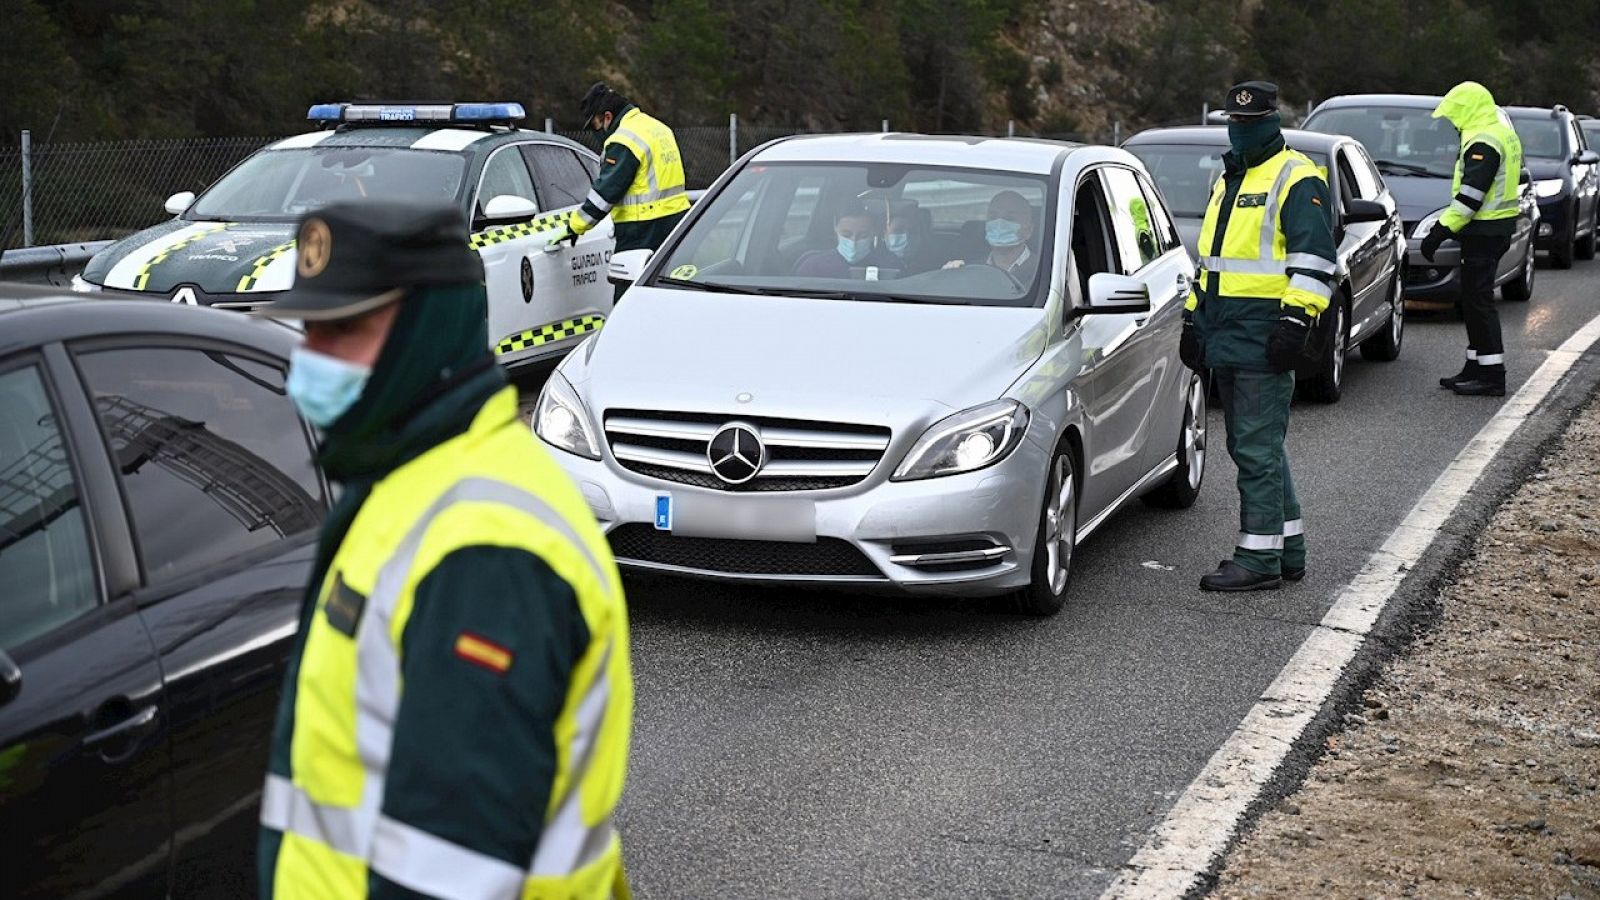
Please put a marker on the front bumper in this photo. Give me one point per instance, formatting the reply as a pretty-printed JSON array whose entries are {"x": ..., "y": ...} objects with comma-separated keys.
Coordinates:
[
  {"x": 1555, "y": 225},
  {"x": 962, "y": 535},
  {"x": 1438, "y": 280}
]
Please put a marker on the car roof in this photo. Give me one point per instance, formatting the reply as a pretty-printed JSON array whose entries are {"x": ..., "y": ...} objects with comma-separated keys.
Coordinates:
[
  {"x": 1030, "y": 155},
  {"x": 422, "y": 137},
  {"x": 1404, "y": 101},
  {"x": 1535, "y": 112},
  {"x": 1217, "y": 136},
  {"x": 31, "y": 315}
]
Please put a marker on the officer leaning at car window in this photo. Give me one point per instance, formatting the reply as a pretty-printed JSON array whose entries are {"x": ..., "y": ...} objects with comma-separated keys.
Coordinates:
[
  {"x": 1266, "y": 272},
  {"x": 641, "y": 182},
  {"x": 456, "y": 711},
  {"x": 1482, "y": 217}
]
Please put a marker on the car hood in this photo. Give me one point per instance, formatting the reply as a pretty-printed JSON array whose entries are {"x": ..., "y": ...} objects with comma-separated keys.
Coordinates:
[
  {"x": 1544, "y": 168},
  {"x": 822, "y": 360},
  {"x": 211, "y": 257},
  {"x": 1418, "y": 195}
]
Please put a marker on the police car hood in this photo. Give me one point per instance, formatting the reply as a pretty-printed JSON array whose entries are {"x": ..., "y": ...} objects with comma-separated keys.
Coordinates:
[
  {"x": 823, "y": 360},
  {"x": 211, "y": 257}
]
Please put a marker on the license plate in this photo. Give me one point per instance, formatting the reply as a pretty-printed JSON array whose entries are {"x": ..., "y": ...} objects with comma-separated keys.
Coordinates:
[{"x": 743, "y": 518}]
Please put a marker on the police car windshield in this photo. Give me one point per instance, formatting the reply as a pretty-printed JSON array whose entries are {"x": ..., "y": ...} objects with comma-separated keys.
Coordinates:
[
  {"x": 282, "y": 185},
  {"x": 1541, "y": 136},
  {"x": 1401, "y": 140},
  {"x": 871, "y": 232}
]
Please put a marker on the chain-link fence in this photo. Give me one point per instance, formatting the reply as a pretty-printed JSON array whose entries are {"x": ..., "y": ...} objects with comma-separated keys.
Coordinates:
[{"x": 69, "y": 192}]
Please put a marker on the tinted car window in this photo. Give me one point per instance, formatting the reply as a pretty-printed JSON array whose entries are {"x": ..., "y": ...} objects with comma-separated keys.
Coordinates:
[
  {"x": 281, "y": 185},
  {"x": 1166, "y": 232},
  {"x": 505, "y": 175},
  {"x": 1130, "y": 219},
  {"x": 563, "y": 181},
  {"x": 1542, "y": 138},
  {"x": 214, "y": 460},
  {"x": 45, "y": 563},
  {"x": 1402, "y": 140},
  {"x": 1185, "y": 173},
  {"x": 1367, "y": 186}
]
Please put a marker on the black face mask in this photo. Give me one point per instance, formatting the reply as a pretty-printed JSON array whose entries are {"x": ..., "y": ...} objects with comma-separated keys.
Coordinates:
[
  {"x": 599, "y": 124},
  {"x": 1252, "y": 134}
]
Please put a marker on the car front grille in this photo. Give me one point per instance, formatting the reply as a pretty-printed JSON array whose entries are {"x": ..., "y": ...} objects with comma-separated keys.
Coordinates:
[
  {"x": 801, "y": 455},
  {"x": 827, "y": 558}
]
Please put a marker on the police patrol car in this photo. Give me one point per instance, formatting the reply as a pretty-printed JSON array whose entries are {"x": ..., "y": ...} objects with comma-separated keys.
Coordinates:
[{"x": 233, "y": 246}]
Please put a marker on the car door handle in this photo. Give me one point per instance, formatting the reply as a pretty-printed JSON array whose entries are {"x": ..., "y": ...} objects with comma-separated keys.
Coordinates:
[{"x": 132, "y": 724}]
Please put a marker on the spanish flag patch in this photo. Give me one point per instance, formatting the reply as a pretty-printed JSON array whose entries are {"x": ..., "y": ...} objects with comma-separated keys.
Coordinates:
[
  {"x": 1316, "y": 200},
  {"x": 483, "y": 653},
  {"x": 1477, "y": 156}
]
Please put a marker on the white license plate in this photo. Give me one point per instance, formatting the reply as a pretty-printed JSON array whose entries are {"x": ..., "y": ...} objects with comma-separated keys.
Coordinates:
[{"x": 748, "y": 518}]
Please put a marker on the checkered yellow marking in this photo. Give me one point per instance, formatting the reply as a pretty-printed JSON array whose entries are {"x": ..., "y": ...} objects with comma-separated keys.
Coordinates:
[
  {"x": 505, "y": 233},
  {"x": 259, "y": 267},
  {"x": 142, "y": 277},
  {"x": 547, "y": 334}
]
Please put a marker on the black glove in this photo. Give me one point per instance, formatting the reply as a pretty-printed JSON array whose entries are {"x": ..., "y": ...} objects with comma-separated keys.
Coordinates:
[
  {"x": 1191, "y": 349},
  {"x": 1436, "y": 236},
  {"x": 1287, "y": 343}
]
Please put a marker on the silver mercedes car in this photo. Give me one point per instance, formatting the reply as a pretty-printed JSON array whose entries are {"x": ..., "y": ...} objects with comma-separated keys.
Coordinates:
[{"x": 931, "y": 364}]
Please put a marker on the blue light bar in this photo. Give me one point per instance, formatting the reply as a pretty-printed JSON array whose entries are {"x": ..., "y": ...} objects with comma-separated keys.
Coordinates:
[{"x": 441, "y": 113}]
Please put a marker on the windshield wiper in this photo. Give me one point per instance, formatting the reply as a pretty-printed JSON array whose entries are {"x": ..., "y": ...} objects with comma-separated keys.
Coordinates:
[
  {"x": 709, "y": 286},
  {"x": 865, "y": 296},
  {"x": 1409, "y": 168}
]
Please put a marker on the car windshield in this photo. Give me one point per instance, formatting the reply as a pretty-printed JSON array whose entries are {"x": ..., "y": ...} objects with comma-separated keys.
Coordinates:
[
  {"x": 282, "y": 185},
  {"x": 1591, "y": 132},
  {"x": 1541, "y": 137},
  {"x": 873, "y": 232},
  {"x": 1402, "y": 141},
  {"x": 1185, "y": 173}
]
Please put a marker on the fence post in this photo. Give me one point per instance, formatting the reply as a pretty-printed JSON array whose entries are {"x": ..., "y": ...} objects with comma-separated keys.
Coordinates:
[
  {"x": 1011, "y": 128},
  {"x": 885, "y": 126},
  {"x": 1116, "y": 133},
  {"x": 1309, "y": 104},
  {"x": 1205, "y": 112},
  {"x": 549, "y": 125},
  {"x": 27, "y": 188}
]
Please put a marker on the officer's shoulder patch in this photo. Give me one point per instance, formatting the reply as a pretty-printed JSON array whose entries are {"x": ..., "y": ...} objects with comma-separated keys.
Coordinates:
[
  {"x": 1317, "y": 200},
  {"x": 1477, "y": 156},
  {"x": 484, "y": 653},
  {"x": 611, "y": 160}
]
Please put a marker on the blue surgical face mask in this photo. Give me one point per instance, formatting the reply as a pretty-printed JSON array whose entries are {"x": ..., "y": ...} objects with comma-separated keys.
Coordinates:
[
  {"x": 1002, "y": 232},
  {"x": 324, "y": 387},
  {"x": 854, "y": 249},
  {"x": 897, "y": 242}
]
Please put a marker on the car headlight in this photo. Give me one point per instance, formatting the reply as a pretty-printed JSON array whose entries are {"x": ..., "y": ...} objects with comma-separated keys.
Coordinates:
[
  {"x": 82, "y": 286},
  {"x": 561, "y": 420},
  {"x": 1426, "y": 225},
  {"x": 966, "y": 441},
  {"x": 1549, "y": 187}
]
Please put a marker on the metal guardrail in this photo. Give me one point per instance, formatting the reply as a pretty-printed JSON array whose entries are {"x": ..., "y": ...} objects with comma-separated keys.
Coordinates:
[{"x": 53, "y": 265}]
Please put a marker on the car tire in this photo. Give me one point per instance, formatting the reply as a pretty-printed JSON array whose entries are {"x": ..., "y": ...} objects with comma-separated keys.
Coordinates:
[
  {"x": 1584, "y": 249},
  {"x": 1385, "y": 346},
  {"x": 1520, "y": 288},
  {"x": 1182, "y": 487},
  {"x": 1561, "y": 257},
  {"x": 1053, "y": 550},
  {"x": 1328, "y": 384}
]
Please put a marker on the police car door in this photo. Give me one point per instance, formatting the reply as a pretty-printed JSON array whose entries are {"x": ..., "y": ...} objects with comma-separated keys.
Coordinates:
[
  {"x": 509, "y": 232},
  {"x": 563, "y": 174}
]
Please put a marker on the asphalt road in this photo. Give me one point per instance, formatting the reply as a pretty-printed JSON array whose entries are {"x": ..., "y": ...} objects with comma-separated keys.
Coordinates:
[{"x": 804, "y": 744}]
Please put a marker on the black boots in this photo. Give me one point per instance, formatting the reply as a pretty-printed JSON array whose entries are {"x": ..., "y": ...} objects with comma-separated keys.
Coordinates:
[
  {"x": 1484, "y": 384},
  {"x": 1468, "y": 372},
  {"x": 1230, "y": 576}
]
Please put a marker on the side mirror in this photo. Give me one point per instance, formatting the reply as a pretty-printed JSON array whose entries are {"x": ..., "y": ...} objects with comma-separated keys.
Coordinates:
[
  {"x": 1364, "y": 211},
  {"x": 179, "y": 202},
  {"x": 1587, "y": 158},
  {"x": 626, "y": 266},
  {"x": 503, "y": 207},
  {"x": 1114, "y": 294},
  {"x": 10, "y": 679}
]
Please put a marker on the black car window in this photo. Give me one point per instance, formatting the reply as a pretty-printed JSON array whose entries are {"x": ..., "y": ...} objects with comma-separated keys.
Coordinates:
[
  {"x": 591, "y": 165},
  {"x": 505, "y": 174},
  {"x": 45, "y": 563},
  {"x": 562, "y": 179},
  {"x": 1091, "y": 235},
  {"x": 1367, "y": 185},
  {"x": 1132, "y": 226},
  {"x": 1349, "y": 188},
  {"x": 214, "y": 460}
]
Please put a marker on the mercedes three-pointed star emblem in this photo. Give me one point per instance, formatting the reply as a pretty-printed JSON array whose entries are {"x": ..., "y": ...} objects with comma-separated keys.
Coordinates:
[{"x": 736, "y": 453}]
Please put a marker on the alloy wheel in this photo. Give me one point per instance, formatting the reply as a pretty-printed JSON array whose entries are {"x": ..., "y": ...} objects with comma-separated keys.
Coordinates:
[
  {"x": 1061, "y": 525},
  {"x": 1194, "y": 436}
]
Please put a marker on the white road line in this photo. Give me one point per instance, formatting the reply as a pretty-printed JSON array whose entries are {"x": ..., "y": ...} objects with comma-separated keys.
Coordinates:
[{"x": 1194, "y": 834}]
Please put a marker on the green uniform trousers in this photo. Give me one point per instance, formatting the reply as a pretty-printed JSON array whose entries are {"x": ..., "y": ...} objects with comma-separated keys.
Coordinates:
[{"x": 1255, "y": 405}]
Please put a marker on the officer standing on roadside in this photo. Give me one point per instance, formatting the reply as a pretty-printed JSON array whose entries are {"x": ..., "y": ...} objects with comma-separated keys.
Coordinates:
[
  {"x": 1266, "y": 272},
  {"x": 1482, "y": 216},
  {"x": 641, "y": 181},
  {"x": 456, "y": 710}
]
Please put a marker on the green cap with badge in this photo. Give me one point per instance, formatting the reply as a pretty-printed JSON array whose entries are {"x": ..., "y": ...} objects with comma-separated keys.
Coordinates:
[
  {"x": 1252, "y": 99},
  {"x": 354, "y": 257}
]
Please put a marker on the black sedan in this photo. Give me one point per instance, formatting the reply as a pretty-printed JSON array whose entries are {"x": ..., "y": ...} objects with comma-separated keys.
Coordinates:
[
  {"x": 159, "y": 501},
  {"x": 1416, "y": 155},
  {"x": 1372, "y": 248},
  {"x": 1566, "y": 178}
]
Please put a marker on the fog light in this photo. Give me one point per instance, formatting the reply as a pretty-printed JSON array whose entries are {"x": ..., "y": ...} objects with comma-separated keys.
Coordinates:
[
  {"x": 1545, "y": 230},
  {"x": 1434, "y": 274}
]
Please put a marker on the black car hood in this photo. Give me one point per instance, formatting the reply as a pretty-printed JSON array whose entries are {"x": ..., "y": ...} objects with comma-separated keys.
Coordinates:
[
  {"x": 1417, "y": 196},
  {"x": 212, "y": 257}
]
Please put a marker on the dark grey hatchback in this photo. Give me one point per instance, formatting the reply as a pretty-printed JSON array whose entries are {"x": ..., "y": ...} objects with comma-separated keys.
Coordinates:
[{"x": 159, "y": 501}]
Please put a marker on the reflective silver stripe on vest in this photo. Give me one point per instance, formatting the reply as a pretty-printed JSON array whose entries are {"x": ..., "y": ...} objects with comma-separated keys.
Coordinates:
[
  {"x": 1461, "y": 209},
  {"x": 1495, "y": 200},
  {"x": 1311, "y": 286},
  {"x": 1470, "y": 192},
  {"x": 652, "y": 196},
  {"x": 1269, "y": 221},
  {"x": 646, "y": 153},
  {"x": 1242, "y": 266},
  {"x": 567, "y": 844},
  {"x": 287, "y": 807},
  {"x": 1310, "y": 262},
  {"x": 598, "y": 202},
  {"x": 1260, "y": 541},
  {"x": 1294, "y": 527},
  {"x": 413, "y": 858}
]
